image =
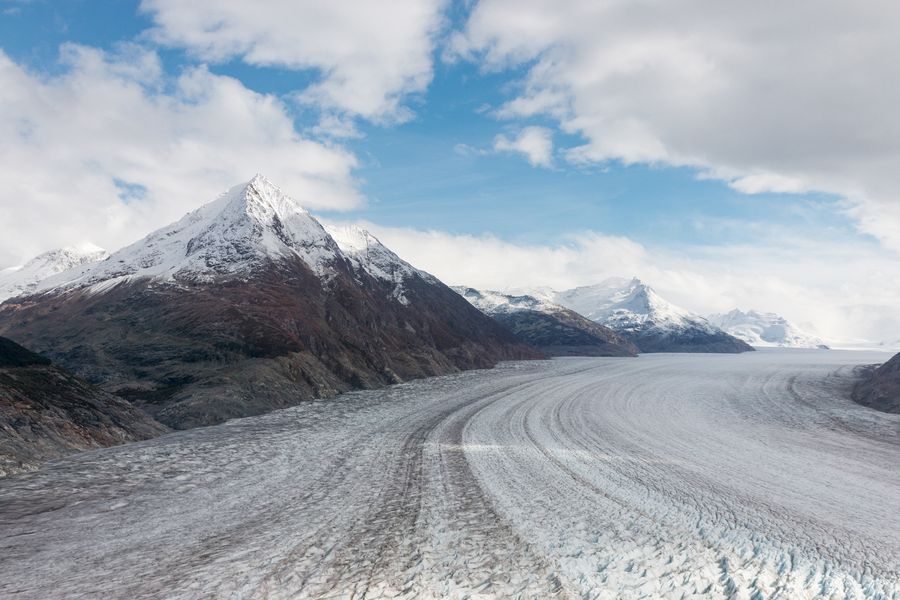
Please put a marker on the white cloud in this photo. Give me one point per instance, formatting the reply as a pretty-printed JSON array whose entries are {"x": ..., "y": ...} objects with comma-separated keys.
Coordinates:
[
  {"x": 111, "y": 148},
  {"x": 535, "y": 143},
  {"x": 845, "y": 290},
  {"x": 770, "y": 96},
  {"x": 370, "y": 54}
]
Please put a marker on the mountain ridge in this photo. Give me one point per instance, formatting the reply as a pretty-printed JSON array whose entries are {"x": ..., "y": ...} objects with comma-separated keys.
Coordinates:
[
  {"x": 24, "y": 279},
  {"x": 554, "y": 329},
  {"x": 636, "y": 311},
  {"x": 248, "y": 304},
  {"x": 227, "y": 237}
]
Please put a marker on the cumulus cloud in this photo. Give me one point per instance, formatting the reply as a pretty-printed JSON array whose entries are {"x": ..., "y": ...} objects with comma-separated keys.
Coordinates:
[
  {"x": 769, "y": 96},
  {"x": 846, "y": 291},
  {"x": 369, "y": 54},
  {"x": 535, "y": 143},
  {"x": 112, "y": 147}
]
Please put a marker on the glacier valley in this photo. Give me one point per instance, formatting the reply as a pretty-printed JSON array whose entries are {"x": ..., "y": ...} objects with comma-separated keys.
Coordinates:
[{"x": 667, "y": 475}]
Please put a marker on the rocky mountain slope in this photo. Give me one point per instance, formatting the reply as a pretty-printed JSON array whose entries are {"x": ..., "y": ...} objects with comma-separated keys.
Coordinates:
[
  {"x": 634, "y": 310},
  {"x": 24, "y": 279},
  {"x": 248, "y": 304},
  {"x": 880, "y": 387},
  {"x": 555, "y": 330},
  {"x": 765, "y": 329},
  {"x": 367, "y": 254},
  {"x": 46, "y": 412}
]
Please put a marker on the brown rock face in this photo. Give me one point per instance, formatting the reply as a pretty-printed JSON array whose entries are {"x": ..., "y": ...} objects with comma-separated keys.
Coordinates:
[
  {"x": 880, "y": 387},
  {"x": 686, "y": 340},
  {"x": 553, "y": 329},
  {"x": 565, "y": 333},
  {"x": 46, "y": 413},
  {"x": 194, "y": 354}
]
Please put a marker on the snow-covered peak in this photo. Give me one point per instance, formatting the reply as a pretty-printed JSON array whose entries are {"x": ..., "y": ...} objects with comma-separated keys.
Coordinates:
[
  {"x": 765, "y": 329},
  {"x": 24, "y": 279},
  {"x": 263, "y": 201},
  {"x": 366, "y": 252},
  {"x": 249, "y": 224},
  {"x": 353, "y": 239},
  {"x": 628, "y": 304},
  {"x": 492, "y": 302}
]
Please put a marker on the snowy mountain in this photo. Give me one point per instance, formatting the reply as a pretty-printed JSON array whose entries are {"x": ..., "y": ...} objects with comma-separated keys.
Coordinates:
[
  {"x": 765, "y": 329},
  {"x": 246, "y": 227},
  {"x": 556, "y": 330},
  {"x": 248, "y": 304},
  {"x": 24, "y": 279},
  {"x": 491, "y": 302},
  {"x": 633, "y": 309},
  {"x": 368, "y": 254}
]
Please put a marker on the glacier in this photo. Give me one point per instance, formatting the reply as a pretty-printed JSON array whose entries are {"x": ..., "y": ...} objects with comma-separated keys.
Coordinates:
[{"x": 665, "y": 476}]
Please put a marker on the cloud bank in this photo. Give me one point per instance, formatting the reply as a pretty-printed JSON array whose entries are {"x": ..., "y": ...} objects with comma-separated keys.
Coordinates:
[
  {"x": 768, "y": 96},
  {"x": 112, "y": 147},
  {"x": 843, "y": 291},
  {"x": 534, "y": 143},
  {"x": 369, "y": 55}
]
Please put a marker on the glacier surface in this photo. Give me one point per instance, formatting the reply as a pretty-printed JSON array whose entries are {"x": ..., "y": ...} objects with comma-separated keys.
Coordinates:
[{"x": 722, "y": 476}]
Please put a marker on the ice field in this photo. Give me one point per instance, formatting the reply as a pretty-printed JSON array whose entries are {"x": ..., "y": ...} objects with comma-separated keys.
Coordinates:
[{"x": 723, "y": 476}]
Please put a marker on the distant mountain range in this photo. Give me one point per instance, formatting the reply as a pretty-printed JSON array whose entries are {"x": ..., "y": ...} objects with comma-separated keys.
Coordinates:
[
  {"x": 634, "y": 310},
  {"x": 765, "y": 329},
  {"x": 24, "y": 279},
  {"x": 249, "y": 304},
  {"x": 554, "y": 329}
]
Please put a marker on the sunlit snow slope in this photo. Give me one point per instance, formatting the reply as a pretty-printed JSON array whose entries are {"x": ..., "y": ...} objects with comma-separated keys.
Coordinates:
[
  {"x": 635, "y": 310},
  {"x": 24, "y": 279},
  {"x": 765, "y": 329},
  {"x": 714, "y": 476}
]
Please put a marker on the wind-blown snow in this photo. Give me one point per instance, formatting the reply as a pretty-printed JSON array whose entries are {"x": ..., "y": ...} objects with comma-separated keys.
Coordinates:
[
  {"x": 246, "y": 226},
  {"x": 664, "y": 476},
  {"x": 24, "y": 279},
  {"x": 765, "y": 329}
]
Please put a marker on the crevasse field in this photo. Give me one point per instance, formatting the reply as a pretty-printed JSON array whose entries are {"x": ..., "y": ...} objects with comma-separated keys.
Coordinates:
[{"x": 724, "y": 476}]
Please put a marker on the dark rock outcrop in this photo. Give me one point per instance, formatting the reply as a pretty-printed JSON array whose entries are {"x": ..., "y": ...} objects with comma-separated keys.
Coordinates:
[
  {"x": 685, "y": 340},
  {"x": 46, "y": 412},
  {"x": 14, "y": 355},
  {"x": 565, "y": 333},
  {"x": 879, "y": 387}
]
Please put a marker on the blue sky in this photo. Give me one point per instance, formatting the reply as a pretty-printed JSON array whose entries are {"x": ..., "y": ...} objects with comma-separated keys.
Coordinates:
[
  {"x": 414, "y": 175},
  {"x": 686, "y": 136}
]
